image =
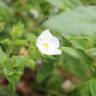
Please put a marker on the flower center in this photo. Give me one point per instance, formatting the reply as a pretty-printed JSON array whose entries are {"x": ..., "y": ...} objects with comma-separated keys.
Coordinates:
[{"x": 46, "y": 45}]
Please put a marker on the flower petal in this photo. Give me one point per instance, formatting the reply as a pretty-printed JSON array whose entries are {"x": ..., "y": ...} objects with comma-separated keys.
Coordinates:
[
  {"x": 45, "y": 34},
  {"x": 51, "y": 51},
  {"x": 54, "y": 42},
  {"x": 54, "y": 52},
  {"x": 40, "y": 42},
  {"x": 44, "y": 37}
]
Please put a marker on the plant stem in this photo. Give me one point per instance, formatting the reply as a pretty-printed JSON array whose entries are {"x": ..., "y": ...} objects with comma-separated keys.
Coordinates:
[{"x": 11, "y": 90}]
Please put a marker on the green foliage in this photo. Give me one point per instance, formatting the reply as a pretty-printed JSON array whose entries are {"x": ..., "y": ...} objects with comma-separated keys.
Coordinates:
[
  {"x": 77, "y": 22},
  {"x": 91, "y": 2},
  {"x": 72, "y": 21},
  {"x": 5, "y": 12},
  {"x": 3, "y": 57},
  {"x": 13, "y": 69},
  {"x": 54, "y": 85},
  {"x": 89, "y": 89},
  {"x": 17, "y": 31},
  {"x": 63, "y": 4},
  {"x": 77, "y": 26},
  {"x": 77, "y": 62},
  {"x": 45, "y": 71}
]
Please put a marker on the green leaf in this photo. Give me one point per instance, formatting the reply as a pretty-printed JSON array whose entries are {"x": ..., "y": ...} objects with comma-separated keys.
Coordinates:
[
  {"x": 91, "y": 2},
  {"x": 76, "y": 62},
  {"x": 45, "y": 71},
  {"x": 5, "y": 11},
  {"x": 31, "y": 64},
  {"x": 20, "y": 42},
  {"x": 81, "y": 42},
  {"x": 55, "y": 84},
  {"x": 89, "y": 88},
  {"x": 3, "y": 56},
  {"x": 63, "y": 4},
  {"x": 57, "y": 3},
  {"x": 17, "y": 31},
  {"x": 80, "y": 21},
  {"x": 91, "y": 53},
  {"x": 70, "y": 51},
  {"x": 14, "y": 69}
]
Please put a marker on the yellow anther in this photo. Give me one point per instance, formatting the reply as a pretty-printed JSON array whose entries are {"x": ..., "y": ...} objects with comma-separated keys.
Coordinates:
[{"x": 45, "y": 45}]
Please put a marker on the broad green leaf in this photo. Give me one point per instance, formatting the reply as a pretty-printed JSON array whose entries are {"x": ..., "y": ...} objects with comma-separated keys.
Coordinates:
[{"x": 80, "y": 21}]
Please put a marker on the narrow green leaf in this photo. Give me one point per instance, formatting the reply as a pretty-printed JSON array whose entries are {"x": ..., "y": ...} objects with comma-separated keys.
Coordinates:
[{"x": 3, "y": 56}]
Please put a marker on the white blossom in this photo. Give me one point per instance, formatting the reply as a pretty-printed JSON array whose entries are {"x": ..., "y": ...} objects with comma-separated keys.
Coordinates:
[{"x": 48, "y": 44}]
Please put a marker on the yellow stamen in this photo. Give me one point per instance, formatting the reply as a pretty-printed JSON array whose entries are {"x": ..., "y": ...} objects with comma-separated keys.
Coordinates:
[{"x": 45, "y": 45}]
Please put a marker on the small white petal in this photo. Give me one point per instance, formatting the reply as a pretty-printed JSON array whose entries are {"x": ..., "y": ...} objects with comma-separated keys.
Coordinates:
[
  {"x": 54, "y": 52},
  {"x": 43, "y": 50},
  {"x": 45, "y": 34},
  {"x": 44, "y": 37},
  {"x": 40, "y": 43},
  {"x": 54, "y": 42}
]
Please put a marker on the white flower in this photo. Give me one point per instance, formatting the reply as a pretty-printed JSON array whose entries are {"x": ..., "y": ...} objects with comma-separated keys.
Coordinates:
[{"x": 48, "y": 44}]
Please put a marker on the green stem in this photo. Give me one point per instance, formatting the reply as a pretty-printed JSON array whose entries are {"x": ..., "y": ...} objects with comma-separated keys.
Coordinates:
[{"x": 11, "y": 90}]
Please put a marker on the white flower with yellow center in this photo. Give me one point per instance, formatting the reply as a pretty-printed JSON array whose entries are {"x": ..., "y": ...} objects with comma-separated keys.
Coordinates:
[{"x": 48, "y": 44}]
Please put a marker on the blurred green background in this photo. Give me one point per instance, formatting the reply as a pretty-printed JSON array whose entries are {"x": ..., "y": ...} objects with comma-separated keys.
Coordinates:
[{"x": 33, "y": 74}]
